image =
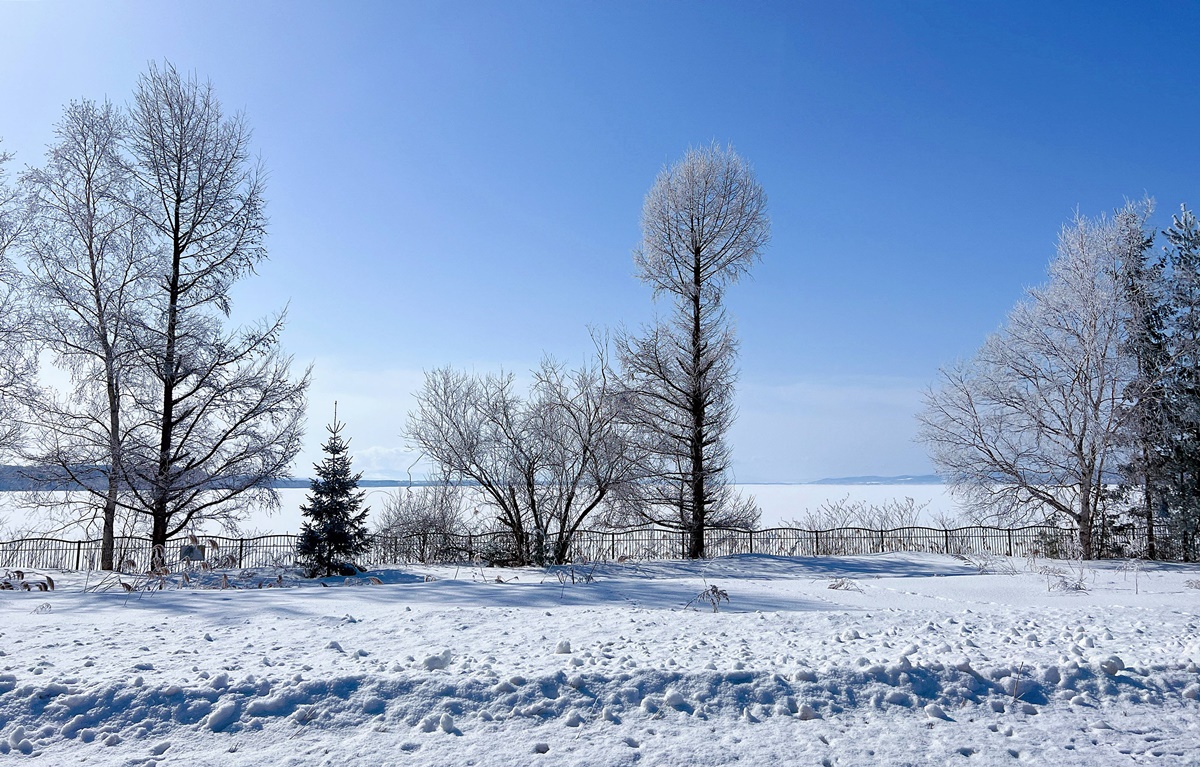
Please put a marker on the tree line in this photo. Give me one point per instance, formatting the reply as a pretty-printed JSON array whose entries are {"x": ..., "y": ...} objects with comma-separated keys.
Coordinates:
[
  {"x": 1084, "y": 406},
  {"x": 118, "y": 254}
]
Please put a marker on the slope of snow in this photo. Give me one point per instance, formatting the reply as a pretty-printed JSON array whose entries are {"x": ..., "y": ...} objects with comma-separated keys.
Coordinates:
[{"x": 915, "y": 660}]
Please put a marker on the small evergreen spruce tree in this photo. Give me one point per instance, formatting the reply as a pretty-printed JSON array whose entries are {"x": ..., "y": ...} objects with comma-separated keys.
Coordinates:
[{"x": 335, "y": 532}]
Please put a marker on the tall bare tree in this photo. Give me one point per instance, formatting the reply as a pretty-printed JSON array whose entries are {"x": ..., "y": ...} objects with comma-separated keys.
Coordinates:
[
  {"x": 1032, "y": 426},
  {"x": 704, "y": 225},
  {"x": 88, "y": 266},
  {"x": 16, "y": 363},
  {"x": 546, "y": 463},
  {"x": 227, "y": 417}
]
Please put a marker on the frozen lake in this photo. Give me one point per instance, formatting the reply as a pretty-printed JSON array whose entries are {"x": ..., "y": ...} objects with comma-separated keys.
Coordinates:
[{"x": 780, "y": 504}]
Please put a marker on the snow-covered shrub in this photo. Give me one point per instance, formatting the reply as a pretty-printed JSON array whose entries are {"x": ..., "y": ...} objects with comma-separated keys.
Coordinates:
[
  {"x": 843, "y": 512},
  {"x": 986, "y": 563},
  {"x": 424, "y": 524},
  {"x": 572, "y": 574},
  {"x": 845, "y": 584},
  {"x": 711, "y": 595},
  {"x": 1072, "y": 575}
]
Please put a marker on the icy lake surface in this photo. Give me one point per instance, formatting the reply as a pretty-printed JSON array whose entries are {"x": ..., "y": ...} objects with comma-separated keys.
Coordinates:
[
  {"x": 883, "y": 660},
  {"x": 780, "y": 504}
]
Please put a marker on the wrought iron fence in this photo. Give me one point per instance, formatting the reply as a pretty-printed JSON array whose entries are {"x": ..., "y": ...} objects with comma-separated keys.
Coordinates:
[{"x": 642, "y": 543}]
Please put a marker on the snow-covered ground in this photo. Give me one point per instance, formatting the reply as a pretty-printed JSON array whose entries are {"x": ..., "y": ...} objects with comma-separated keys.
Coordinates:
[
  {"x": 915, "y": 660},
  {"x": 780, "y": 504}
]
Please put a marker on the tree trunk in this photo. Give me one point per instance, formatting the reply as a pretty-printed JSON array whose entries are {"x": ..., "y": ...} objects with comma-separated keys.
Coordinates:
[
  {"x": 699, "y": 501},
  {"x": 1087, "y": 508},
  {"x": 108, "y": 536},
  {"x": 1085, "y": 531},
  {"x": 696, "y": 542},
  {"x": 160, "y": 512},
  {"x": 1150, "y": 543},
  {"x": 158, "y": 542}
]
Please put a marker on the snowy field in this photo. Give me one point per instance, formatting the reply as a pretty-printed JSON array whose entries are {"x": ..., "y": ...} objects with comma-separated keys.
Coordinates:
[
  {"x": 780, "y": 504},
  {"x": 915, "y": 660}
]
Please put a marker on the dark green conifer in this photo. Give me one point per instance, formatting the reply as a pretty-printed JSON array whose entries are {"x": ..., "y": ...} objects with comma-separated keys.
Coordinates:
[{"x": 335, "y": 533}]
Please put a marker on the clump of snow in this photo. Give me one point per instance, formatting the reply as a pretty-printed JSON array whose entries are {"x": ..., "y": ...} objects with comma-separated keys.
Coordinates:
[{"x": 1112, "y": 664}]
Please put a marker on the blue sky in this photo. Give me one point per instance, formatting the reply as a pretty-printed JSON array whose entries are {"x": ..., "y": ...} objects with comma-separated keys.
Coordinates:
[{"x": 460, "y": 183}]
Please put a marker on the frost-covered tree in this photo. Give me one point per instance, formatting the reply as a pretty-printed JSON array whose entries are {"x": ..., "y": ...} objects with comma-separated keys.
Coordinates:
[
  {"x": 224, "y": 415},
  {"x": 89, "y": 271},
  {"x": 1145, "y": 343},
  {"x": 546, "y": 462},
  {"x": 1032, "y": 425},
  {"x": 334, "y": 533},
  {"x": 704, "y": 225},
  {"x": 1180, "y": 439},
  {"x": 16, "y": 362}
]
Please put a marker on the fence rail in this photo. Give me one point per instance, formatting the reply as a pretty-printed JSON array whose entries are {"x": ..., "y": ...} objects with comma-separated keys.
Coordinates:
[{"x": 133, "y": 554}]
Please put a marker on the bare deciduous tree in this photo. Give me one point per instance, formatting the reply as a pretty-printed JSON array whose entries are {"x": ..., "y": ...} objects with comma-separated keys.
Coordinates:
[
  {"x": 88, "y": 268},
  {"x": 227, "y": 417},
  {"x": 1031, "y": 426},
  {"x": 16, "y": 363},
  {"x": 704, "y": 224},
  {"x": 545, "y": 463},
  {"x": 426, "y": 521}
]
